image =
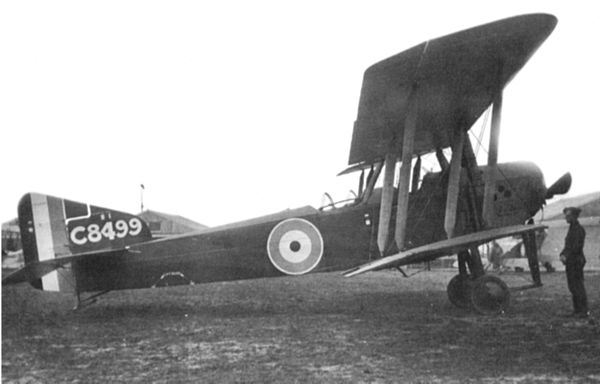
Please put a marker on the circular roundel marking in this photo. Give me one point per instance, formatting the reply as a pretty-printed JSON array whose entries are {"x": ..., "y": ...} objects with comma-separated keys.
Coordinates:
[{"x": 295, "y": 246}]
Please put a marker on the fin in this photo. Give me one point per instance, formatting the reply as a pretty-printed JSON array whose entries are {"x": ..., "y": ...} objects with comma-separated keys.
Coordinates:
[{"x": 55, "y": 228}]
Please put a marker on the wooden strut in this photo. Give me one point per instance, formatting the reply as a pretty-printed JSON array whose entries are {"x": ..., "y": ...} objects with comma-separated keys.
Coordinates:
[
  {"x": 463, "y": 260},
  {"x": 474, "y": 179},
  {"x": 371, "y": 180},
  {"x": 530, "y": 243},
  {"x": 491, "y": 170},
  {"x": 454, "y": 183},
  {"x": 361, "y": 182},
  {"x": 416, "y": 175},
  {"x": 410, "y": 128},
  {"x": 385, "y": 210},
  {"x": 441, "y": 158}
]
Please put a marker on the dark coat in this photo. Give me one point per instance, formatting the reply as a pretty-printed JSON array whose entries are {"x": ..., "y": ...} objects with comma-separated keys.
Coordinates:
[{"x": 574, "y": 242}]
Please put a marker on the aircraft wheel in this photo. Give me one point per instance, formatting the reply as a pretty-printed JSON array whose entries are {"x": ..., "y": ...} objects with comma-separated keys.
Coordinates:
[
  {"x": 490, "y": 295},
  {"x": 459, "y": 291}
]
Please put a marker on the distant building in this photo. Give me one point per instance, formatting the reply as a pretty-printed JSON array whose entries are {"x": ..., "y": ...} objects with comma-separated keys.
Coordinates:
[
  {"x": 163, "y": 224},
  {"x": 11, "y": 236},
  {"x": 12, "y": 256}
]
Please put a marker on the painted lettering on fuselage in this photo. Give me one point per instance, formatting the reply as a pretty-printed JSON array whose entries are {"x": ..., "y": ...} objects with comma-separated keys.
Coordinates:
[
  {"x": 105, "y": 230},
  {"x": 109, "y": 230}
]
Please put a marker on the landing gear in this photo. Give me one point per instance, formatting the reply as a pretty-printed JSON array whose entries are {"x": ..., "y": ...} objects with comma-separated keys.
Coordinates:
[
  {"x": 459, "y": 291},
  {"x": 471, "y": 288},
  {"x": 489, "y": 295},
  {"x": 486, "y": 294}
]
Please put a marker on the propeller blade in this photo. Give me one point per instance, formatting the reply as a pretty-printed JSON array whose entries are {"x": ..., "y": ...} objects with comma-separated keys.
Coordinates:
[{"x": 560, "y": 186}]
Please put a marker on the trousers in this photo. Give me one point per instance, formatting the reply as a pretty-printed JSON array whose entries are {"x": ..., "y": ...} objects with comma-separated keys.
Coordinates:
[{"x": 576, "y": 286}]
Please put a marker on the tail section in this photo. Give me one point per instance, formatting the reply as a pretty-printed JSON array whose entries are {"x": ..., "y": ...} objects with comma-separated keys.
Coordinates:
[{"x": 52, "y": 228}]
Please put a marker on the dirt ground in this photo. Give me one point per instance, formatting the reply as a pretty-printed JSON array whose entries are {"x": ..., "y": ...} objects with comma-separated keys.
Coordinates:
[{"x": 374, "y": 328}]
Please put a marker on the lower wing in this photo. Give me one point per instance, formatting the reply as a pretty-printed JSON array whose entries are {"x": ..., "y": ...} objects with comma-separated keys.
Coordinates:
[{"x": 442, "y": 248}]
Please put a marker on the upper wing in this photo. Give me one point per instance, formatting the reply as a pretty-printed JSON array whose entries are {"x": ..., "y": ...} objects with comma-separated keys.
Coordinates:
[
  {"x": 453, "y": 79},
  {"x": 441, "y": 248}
]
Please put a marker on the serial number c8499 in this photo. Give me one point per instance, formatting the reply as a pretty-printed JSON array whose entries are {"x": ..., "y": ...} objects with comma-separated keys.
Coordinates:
[{"x": 94, "y": 233}]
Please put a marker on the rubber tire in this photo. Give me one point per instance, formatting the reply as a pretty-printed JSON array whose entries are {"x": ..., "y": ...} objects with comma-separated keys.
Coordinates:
[
  {"x": 459, "y": 291},
  {"x": 490, "y": 295}
]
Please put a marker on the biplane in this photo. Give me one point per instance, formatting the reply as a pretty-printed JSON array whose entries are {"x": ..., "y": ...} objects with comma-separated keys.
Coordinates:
[{"x": 418, "y": 102}]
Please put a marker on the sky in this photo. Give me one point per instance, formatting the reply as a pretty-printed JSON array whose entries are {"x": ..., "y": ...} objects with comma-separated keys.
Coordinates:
[{"x": 230, "y": 110}]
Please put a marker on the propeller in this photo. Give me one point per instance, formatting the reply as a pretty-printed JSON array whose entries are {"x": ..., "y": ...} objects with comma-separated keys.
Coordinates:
[
  {"x": 530, "y": 240},
  {"x": 560, "y": 186}
]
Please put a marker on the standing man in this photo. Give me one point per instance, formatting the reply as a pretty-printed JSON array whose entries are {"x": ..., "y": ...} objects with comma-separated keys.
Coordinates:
[
  {"x": 574, "y": 260},
  {"x": 496, "y": 255}
]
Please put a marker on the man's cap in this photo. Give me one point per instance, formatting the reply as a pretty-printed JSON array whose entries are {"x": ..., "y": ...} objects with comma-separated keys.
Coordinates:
[{"x": 574, "y": 210}]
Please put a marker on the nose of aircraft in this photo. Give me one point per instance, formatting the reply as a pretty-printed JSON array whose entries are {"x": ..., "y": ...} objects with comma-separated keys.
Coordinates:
[{"x": 532, "y": 188}]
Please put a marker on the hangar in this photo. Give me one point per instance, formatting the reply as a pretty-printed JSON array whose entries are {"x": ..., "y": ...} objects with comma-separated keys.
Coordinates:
[
  {"x": 160, "y": 224},
  {"x": 11, "y": 237},
  {"x": 164, "y": 224}
]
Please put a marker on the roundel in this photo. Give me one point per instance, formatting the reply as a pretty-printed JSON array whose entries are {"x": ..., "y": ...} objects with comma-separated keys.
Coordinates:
[{"x": 295, "y": 246}]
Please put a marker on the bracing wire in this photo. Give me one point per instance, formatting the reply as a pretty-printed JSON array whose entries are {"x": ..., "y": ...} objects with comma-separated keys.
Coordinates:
[
  {"x": 480, "y": 145},
  {"x": 482, "y": 131}
]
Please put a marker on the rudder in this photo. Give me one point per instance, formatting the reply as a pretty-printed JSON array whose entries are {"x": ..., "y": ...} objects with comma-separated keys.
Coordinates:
[{"x": 53, "y": 227}]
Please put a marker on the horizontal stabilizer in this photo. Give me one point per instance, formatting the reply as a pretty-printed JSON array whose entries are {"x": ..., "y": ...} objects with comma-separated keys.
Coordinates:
[
  {"x": 38, "y": 269},
  {"x": 442, "y": 248}
]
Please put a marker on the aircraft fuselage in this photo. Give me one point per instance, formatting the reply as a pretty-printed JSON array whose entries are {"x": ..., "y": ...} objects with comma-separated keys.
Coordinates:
[{"x": 347, "y": 237}]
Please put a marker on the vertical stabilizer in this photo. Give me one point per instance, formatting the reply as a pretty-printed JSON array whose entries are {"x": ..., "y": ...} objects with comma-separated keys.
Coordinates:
[
  {"x": 44, "y": 237},
  {"x": 53, "y": 227}
]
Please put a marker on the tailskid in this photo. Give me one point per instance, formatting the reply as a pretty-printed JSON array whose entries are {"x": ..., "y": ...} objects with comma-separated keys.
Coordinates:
[{"x": 82, "y": 303}]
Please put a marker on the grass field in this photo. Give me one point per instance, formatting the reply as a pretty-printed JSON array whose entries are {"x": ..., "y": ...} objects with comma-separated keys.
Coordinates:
[{"x": 375, "y": 328}]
